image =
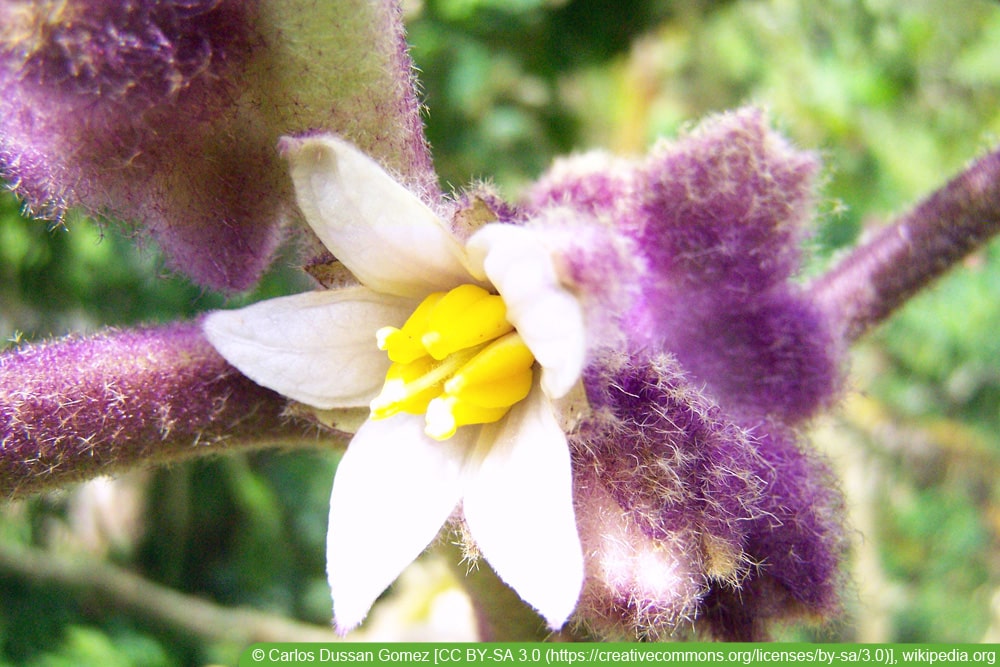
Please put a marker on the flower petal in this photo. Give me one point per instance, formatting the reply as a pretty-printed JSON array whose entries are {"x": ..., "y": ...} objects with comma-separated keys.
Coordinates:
[
  {"x": 548, "y": 317},
  {"x": 519, "y": 507},
  {"x": 393, "y": 490},
  {"x": 318, "y": 348},
  {"x": 377, "y": 228}
]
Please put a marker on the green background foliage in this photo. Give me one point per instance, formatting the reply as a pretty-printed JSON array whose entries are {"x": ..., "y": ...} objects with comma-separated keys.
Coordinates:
[{"x": 897, "y": 96}]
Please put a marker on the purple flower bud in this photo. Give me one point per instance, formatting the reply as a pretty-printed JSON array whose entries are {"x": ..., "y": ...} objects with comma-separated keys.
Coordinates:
[
  {"x": 720, "y": 221},
  {"x": 167, "y": 114},
  {"x": 113, "y": 106},
  {"x": 773, "y": 358},
  {"x": 715, "y": 219},
  {"x": 734, "y": 527},
  {"x": 636, "y": 586},
  {"x": 594, "y": 183},
  {"x": 650, "y": 425},
  {"x": 797, "y": 542},
  {"x": 724, "y": 207}
]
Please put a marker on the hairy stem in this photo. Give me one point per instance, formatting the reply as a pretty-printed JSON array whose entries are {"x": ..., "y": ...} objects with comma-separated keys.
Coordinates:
[
  {"x": 77, "y": 408},
  {"x": 122, "y": 590},
  {"x": 899, "y": 260}
]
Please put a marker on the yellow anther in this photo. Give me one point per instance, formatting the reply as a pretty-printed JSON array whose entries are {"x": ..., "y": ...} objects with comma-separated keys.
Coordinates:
[
  {"x": 498, "y": 376},
  {"x": 465, "y": 317},
  {"x": 404, "y": 345},
  {"x": 484, "y": 389},
  {"x": 447, "y": 413},
  {"x": 457, "y": 359}
]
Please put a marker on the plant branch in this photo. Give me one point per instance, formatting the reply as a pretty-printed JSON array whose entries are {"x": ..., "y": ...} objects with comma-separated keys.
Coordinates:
[
  {"x": 899, "y": 260},
  {"x": 126, "y": 591},
  {"x": 77, "y": 408}
]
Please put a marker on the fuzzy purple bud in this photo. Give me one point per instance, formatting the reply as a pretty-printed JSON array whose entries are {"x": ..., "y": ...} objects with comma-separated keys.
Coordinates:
[
  {"x": 715, "y": 220},
  {"x": 797, "y": 542},
  {"x": 113, "y": 106},
  {"x": 666, "y": 451},
  {"x": 167, "y": 114},
  {"x": 720, "y": 219},
  {"x": 723, "y": 208},
  {"x": 635, "y": 586},
  {"x": 679, "y": 474},
  {"x": 714, "y": 510},
  {"x": 593, "y": 183}
]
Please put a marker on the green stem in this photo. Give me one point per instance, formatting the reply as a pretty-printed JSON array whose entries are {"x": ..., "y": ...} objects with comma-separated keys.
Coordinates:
[{"x": 122, "y": 590}]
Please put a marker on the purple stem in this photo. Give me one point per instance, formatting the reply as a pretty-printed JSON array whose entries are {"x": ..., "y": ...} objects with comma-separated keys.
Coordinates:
[
  {"x": 880, "y": 275},
  {"x": 80, "y": 407}
]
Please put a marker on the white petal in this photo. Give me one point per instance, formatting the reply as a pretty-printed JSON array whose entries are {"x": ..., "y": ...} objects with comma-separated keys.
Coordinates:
[
  {"x": 318, "y": 348},
  {"x": 519, "y": 508},
  {"x": 548, "y": 317},
  {"x": 393, "y": 490},
  {"x": 389, "y": 239}
]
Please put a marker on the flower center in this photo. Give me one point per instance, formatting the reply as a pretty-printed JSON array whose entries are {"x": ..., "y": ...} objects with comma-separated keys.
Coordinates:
[{"x": 456, "y": 359}]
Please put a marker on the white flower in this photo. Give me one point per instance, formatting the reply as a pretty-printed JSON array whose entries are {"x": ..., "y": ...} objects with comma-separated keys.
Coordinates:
[{"x": 396, "y": 485}]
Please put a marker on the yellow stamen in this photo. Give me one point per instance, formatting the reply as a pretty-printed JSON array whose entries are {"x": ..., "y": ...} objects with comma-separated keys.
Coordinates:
[
  {"x": 500, "y": 375},
  {"x": 446, "y": 413},
  {"x": 410, "y": 387},
  {"x": 465, "y": 317},
  {"x": 484, "y": 389},
  {"x": 403, "y": 345},
  {"x": 457, "y": 359}
]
